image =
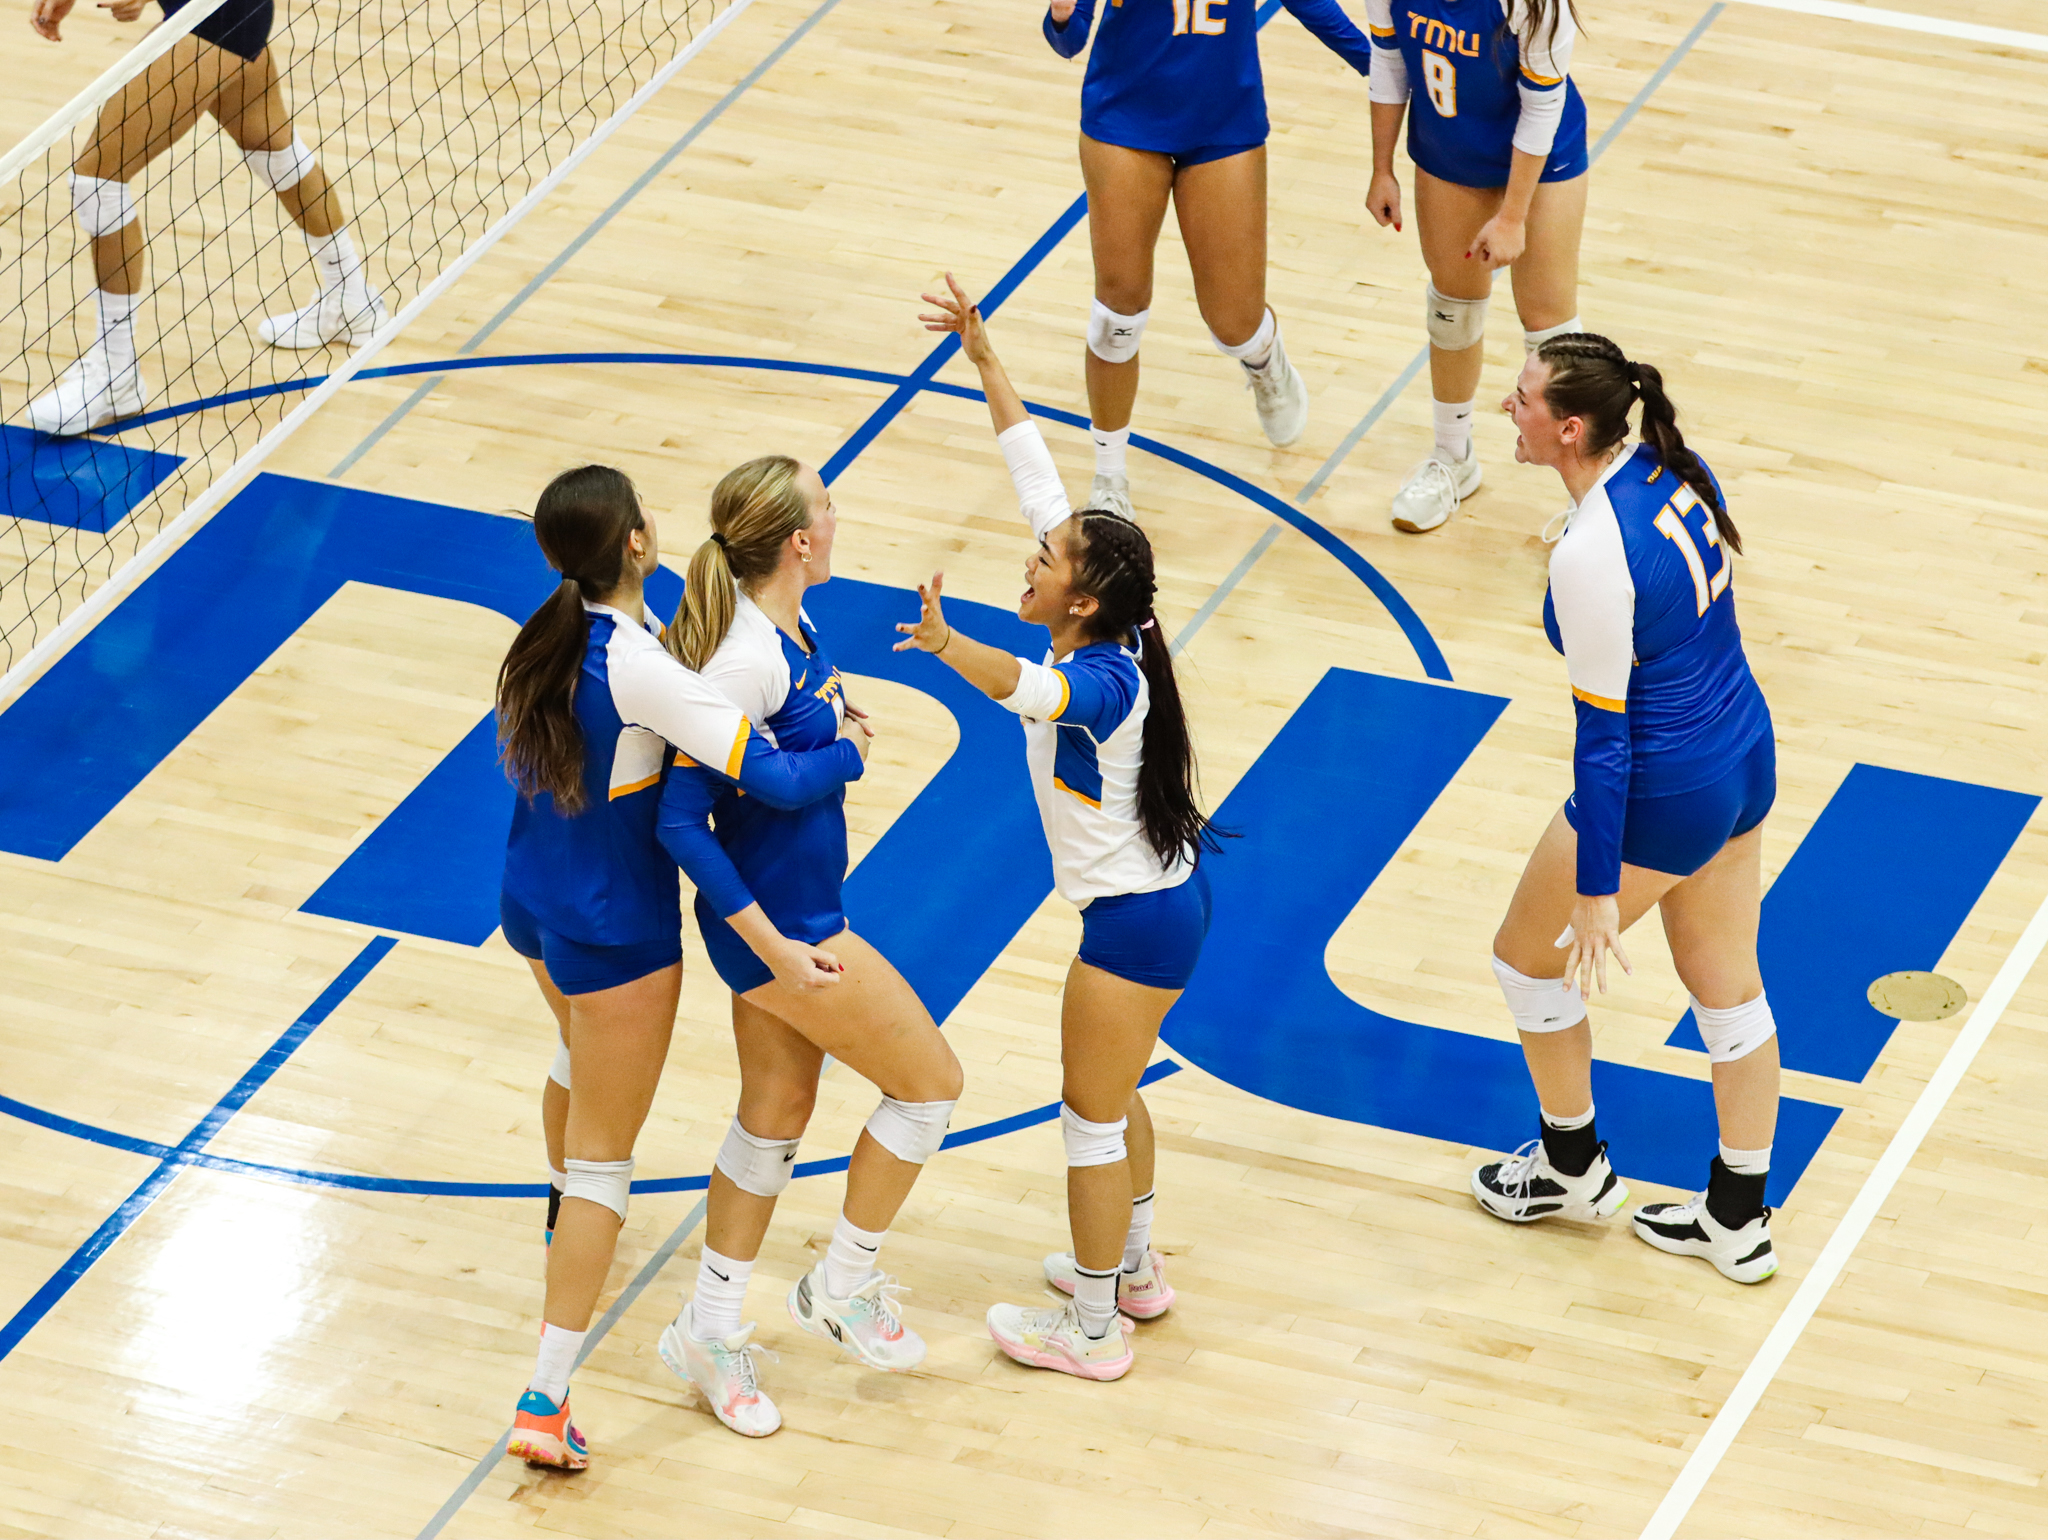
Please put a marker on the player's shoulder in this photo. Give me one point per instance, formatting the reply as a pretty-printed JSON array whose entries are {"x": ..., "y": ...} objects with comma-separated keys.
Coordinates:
[{"x": 750, "y": 668}]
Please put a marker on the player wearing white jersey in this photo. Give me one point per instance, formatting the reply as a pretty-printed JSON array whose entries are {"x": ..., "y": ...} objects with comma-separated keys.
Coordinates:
[{"x": 1113, "y": 772}]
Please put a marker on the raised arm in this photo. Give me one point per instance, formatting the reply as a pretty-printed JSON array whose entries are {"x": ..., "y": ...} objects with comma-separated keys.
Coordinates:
[{"x": 1338, "y": 33}]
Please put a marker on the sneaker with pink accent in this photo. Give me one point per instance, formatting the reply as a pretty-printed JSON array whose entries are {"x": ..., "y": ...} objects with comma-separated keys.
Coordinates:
[
  {"x": 867, "y": 1323},
  {"x": 724, "y": 1370},
  {"x": 1143, "y": 1295},
  {"x": 542, "y": 1434},
  {"x": 1053, "y": 1339}
]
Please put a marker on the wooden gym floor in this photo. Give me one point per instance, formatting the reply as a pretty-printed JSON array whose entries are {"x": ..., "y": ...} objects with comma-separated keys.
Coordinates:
[{"x": 1825, "y": 230}]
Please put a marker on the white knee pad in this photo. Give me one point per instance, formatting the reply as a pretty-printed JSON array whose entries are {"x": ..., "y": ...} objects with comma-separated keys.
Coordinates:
[
  {"x": 102, "y": 206},
  {"x": 911, "y": 1131},
  {"x": 1736, "y": 1032},
  {"x": 281, "y": 170},
  {"x": 1531, "y": 341},
  {"x": 760, "y": 1166},
  {"x": 1091, "y": 1144},
  {"x": 1540, "y": 1005},
  {"x": 609, "y": 1182},
  {"x": 559, "y": 1070},
  {"x": 1453, "y": 323},
  {"x": 1114, "y": 338}
]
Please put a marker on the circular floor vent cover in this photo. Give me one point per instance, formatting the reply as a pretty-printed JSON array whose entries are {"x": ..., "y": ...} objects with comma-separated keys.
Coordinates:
[{"x": 1917, "y": 996}]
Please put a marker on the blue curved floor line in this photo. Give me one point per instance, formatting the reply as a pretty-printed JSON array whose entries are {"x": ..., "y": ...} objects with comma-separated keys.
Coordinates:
[
  {"x": 352, "y": 1183},
  {"x": 1426, "y": 650}
]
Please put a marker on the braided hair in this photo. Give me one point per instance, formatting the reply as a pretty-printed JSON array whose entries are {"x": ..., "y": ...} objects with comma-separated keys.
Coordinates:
[
  {"x": 1593, "y": 380},
  {"x": 1113, "y": 565}
]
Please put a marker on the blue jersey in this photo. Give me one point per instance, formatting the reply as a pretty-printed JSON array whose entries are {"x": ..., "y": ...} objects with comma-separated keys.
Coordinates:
[
  {"x": 601, "y": 876},
  {"x": 1175, "y": 76},
  {"x": 737, "y": 849},
  {"x": 1482, "y": 80},
  {"x": 1643, "y": 609}
]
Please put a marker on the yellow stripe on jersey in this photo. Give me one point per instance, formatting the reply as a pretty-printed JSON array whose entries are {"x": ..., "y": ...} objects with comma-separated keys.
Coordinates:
[
  {"x": 627, "y": 791},
  {"x": 1545, "y": 81},
  {"x": 1381, "y": 31},
  {"x": 684, "y": 762},
  {"x": 1082, "y": 795},
  {"x": 1066, "y": 694},
  {"x": 1600, "y": 700},
  {"x": 738, "y": 756}
]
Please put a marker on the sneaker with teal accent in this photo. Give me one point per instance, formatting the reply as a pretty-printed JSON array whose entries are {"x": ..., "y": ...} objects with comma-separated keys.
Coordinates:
[
  {"x": 868, "y": 1323},
  {"x": 542, "y": 1434}
]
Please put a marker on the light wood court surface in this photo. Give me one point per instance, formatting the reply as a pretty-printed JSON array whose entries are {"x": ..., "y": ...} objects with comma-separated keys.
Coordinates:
[{"x": 1827, "y": 233}]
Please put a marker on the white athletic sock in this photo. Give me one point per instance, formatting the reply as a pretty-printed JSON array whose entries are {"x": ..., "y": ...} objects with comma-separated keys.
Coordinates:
[
  {"x": 1256, "y": 351},
  {"x": 1112, "y": 446},
  {"x": 1746, "y": 1162},
  {"x": 334, "y": 256},
  {"x": 1138, "y": 1243},
  {"x": 850, "y": 1259},
  {"x": 117, "y": 327},
  {"x": 1095, "y": 1300},
  {"x": 1453, "y": 429},
  {"x": 714, "y": 1310},
  {"x": 1566, "y": 1125},
  {"x": 558, "y": 1349}
]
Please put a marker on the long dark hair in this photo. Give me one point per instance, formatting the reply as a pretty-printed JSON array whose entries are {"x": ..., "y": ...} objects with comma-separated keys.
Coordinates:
[
  {"x": 1593, "y": 380},
  {"x": 1544, "y": 17},
  {"x": 581, "y": 521},
  {"x": 1113, "y": 566}
]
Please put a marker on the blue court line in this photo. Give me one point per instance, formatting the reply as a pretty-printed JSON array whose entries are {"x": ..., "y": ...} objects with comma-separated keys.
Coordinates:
[
  {"x": 187, "y": 1151},
  {"x": 563, "y": 257}
]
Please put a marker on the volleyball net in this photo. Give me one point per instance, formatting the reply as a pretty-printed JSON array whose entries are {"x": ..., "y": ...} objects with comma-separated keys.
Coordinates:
[{"x": 439, "y": 128}]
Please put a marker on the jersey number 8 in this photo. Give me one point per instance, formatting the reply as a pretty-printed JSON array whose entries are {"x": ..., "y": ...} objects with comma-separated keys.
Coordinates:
[
  {"x": 1198, "y": 17},
  {"x": 1671, "y": 521},
  {"x": 1440, "y": 78}
]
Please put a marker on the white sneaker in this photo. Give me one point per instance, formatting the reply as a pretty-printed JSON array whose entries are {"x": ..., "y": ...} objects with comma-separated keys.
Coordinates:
[
  {"x": 1053, "y": 1339},
  {"x": 1527, "y": 1187},
  {"x": 1143, "y": 1295},
  {"x": 725, "y": 1371},
  {"x": 336, "y": 316},
  {"x": 866, "y": 1323},
  {"x": 1112, "y": 493},
  {"x": 1433, "y": 490},
  {"x": 1688, "y": 1229},
  {"x": 1280, "y": 396},
  {"x": 90, "y": 394}
]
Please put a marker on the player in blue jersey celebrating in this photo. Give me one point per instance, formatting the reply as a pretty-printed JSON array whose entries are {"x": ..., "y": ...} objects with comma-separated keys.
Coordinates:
[
  {"x": 1674, "y": 769},
  {"x": 1497, "y": 132},
  {"x": 588, "y": 706},
  {"x": 743, "y": 625},
  {"x": 1173, "y": 106},
  {"x": 1113, "y": 771}
]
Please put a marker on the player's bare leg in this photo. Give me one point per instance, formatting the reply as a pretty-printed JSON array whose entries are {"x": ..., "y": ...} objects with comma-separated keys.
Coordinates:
[
  {"x": 1221, "y": 206},
  {"x": 1127, "y": 196}
]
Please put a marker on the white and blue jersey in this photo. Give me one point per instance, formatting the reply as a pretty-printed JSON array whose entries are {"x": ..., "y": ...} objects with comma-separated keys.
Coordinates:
[
  {"x": 601, "y": 877},
  {"x": 738, "y": 849},
  {"x": 1642, "y": 607},
  {"x": 1182, "y": 76},
  {"x": 1482, "y": 81},
  {"x": 1084, "y": 729}
]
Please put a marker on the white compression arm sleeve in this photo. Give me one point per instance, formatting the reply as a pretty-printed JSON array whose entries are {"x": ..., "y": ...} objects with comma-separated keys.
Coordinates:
[
  {"x": 1037, "y": 480},
  {"x": 1546, "y": 61},
  {"x": 1388, "y": 82}
]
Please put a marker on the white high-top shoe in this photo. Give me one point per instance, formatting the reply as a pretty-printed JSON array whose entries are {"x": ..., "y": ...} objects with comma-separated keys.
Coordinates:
[{"x": 90, "y": 394}]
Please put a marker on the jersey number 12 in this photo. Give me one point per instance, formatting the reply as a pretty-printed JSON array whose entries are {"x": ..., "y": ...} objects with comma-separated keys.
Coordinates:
[
  {"x": 1199, "y": 16},
  {"x": 1671, "y": 521}
]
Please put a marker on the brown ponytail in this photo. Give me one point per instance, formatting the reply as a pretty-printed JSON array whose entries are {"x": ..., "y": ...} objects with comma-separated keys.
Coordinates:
[
  {"x": 1593, "y": 380},
  {"x": 754, "y": 511},
  {"x": 581, "y": 521}
]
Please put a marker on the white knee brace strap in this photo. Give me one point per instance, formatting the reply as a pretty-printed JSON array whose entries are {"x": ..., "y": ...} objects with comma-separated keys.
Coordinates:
[
  {"x": 1540, "y": 1005},
  {"x": 1736, "y": 1032},
  {"x": 1531, "y": 341},
  {"x": 1114, "y": 338},
  {"x": 760, "y": 1166},
  {"x": 609, "y": 1182},
  {"x": 1091, "y": 1144},
  {"x": 559, "y": 1070},
  {"x": 102, "y": 206},
  {"x": 911, "y": 1131},
  {"x": 281, "y": 170},
  {"x": 1453, "y": 324}
]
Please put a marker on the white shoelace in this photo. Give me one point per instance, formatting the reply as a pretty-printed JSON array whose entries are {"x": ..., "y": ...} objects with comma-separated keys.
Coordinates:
[
  {"x": 1267, "y": 383},
  {"x": 1518, "y": 1171},
  {"x": 743, "y": 1363},
  {"x": 1563, "y": 520},
  {"x": 882, "y": 1303}
]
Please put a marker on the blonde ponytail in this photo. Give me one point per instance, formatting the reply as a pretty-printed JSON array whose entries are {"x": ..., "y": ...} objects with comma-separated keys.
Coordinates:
[{"x": 754, "y": 511}]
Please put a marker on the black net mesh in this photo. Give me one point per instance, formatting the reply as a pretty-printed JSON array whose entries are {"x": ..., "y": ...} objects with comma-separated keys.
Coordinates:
[{"x": 431, "y": 121}]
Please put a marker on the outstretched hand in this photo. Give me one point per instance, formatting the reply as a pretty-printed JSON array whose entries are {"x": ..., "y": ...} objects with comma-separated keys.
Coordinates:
[
  {"x": 960, "y": 315},
  {"x": 931, "y": 633},
  {"x": 1594, "y": 932}
]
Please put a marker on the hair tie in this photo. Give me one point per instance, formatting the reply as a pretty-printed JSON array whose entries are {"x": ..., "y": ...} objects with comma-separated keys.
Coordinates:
[
  {"x": 719, "y": 540},
  {"x": 1148, "y": 623}
]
